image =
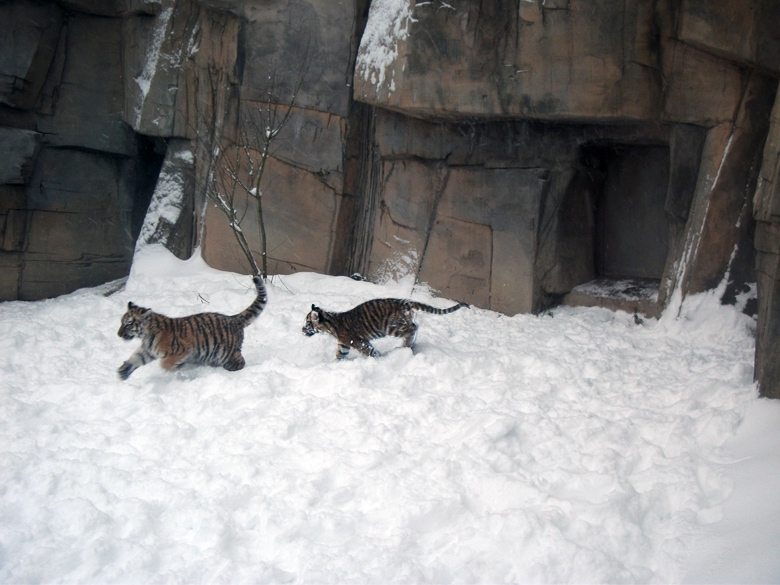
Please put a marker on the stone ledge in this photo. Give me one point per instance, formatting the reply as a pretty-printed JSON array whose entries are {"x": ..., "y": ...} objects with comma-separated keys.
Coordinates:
[{"x": 632, "y": 295}]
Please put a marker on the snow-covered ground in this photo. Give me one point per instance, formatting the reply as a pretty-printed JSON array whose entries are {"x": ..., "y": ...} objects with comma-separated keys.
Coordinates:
[{"x": 576, "y": 446}]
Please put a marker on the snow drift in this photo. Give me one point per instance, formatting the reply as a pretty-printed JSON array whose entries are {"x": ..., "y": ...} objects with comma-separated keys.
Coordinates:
[{"x": 568, "y": 447}]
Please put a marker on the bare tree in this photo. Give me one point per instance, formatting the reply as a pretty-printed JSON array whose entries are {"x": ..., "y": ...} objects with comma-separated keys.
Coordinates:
[
  {"x": 237, "y": 167},
  {"x": 258, "y": 130},
  {"x": 223, "y": 186}
]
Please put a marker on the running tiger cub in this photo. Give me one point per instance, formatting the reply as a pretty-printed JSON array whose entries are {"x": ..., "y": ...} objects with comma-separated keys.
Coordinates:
[
  {"x": 210, "y": 339},
  {"x": 371, "y": 320}
]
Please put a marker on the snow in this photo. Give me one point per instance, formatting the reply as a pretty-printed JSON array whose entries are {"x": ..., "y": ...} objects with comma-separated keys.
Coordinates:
[
  {"x": 152, "y": 57},
  {"x": 401, "y": 262},
  {"x": 166, "y": 203},
  {"x": 633, "y": 289},
  {"x": 575, "y": 446},
  {"x": 387, "y": 26}
]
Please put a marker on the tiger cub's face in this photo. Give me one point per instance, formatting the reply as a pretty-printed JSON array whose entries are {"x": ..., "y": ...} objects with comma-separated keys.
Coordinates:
[
  {"x": 313, "y": 322},
  {"x": 133, "y": 321}
]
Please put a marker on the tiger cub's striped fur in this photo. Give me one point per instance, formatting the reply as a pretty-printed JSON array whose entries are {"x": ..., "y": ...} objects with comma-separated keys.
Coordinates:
[
  {"x": 210, "y": 339},
  {"x": 371, "y": 320}
]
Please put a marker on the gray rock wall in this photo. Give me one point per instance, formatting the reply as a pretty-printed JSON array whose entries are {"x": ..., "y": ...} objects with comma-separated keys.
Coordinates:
[
  {"x": 68, "y": 173},
  {"x": 91, "y": 93},
  {"x": 766, "y": 210}
]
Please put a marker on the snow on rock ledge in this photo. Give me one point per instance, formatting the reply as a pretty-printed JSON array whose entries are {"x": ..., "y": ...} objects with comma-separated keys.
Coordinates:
[{"x": 387, "y": 27}]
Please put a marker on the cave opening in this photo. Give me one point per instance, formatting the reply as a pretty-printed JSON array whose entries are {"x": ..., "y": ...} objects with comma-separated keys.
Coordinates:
[
  {"x": 623, "y": 229},
  {"x": 632, "y": 229}
]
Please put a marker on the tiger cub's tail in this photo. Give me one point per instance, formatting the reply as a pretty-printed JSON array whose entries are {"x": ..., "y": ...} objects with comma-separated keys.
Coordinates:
[
  {"x": 249, "y": 314},
  {"x": 434, "y": 310}
]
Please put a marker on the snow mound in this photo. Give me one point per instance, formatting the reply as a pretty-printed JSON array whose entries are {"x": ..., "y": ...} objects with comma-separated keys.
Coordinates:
[{"x": 571, "y": 447}]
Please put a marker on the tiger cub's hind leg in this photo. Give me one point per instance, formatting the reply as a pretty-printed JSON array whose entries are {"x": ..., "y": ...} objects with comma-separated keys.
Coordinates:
[
  {"x": 409, "y": 334},
  {"x": 235, "y": 362},
  {"x": 366, "y": 348},
  {"x": 360, "y": 345}
]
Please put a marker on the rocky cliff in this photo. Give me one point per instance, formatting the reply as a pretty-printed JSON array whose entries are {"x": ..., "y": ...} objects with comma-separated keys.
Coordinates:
[{"x": 510, "y": 154}]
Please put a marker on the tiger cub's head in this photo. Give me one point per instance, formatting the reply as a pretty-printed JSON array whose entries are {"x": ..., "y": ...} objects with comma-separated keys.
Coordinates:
[
  {"x": 133, "y": 321},
  {"x": 315, "y": 322}
]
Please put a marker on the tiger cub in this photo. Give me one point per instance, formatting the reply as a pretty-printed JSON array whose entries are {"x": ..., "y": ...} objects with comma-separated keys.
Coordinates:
[
  {"x": 371, "y": 320},
  {"x": 210, "y": 339}
]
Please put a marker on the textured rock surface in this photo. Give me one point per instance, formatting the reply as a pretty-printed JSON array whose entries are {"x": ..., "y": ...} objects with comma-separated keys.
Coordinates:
[
  {"x": 534, "y": 188},
  {"x": 79, "y": 205},
  {"x": 281, "y": 44},
  {"x": 69, "y": 174},
  {"x": 18, "y": 151},
  {"x": 169, "y": 217},
  {"x": 300, "y": 213},
  {"x": 84, "y": 92},
  {"x": 704, "y": 73},
  {"x": 767, "y": 214},
  {"x": 283, "y": 39},
  {"x": 767, "y": 371},
  {"x": 745, "y": 32},
  {"x": 179, "y": 69},
  {"x": 720, "y": 226},
  {"x": 30, "y": 33},
  {"x": 573, "y": 60},
  {"x": 83, "y": 82}
]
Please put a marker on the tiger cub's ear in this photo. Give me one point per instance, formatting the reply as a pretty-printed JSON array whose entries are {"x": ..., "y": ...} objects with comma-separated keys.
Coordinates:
[{"x": 131, "y": 305}]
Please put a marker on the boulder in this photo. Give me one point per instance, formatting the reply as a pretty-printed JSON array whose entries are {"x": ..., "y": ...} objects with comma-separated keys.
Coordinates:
[
  {"x": 745, "y": 32},
  {"x": 13, "y": 218},
  {"x": 726, "y": 193},
  {"x": 767, "y": 365},
  {"x": 30, "y": 31},
  {"x": 306, "y": 43},
  {"x": 690, "y": 75},
  {"x": 766, "y": 210},
  {"x": 10, "y": 275},
  {"x": 468, "y": 232},
  {"x": 503, "y": 206},
  {"x": 766, "y": 204},
  {"x": 180, "y": 70},
  {"x": 406, "y": 211},
  {"x": 79, "y": 205},
  {"x": 84, "y": 93},
  {"x": 606, "y": 61}
]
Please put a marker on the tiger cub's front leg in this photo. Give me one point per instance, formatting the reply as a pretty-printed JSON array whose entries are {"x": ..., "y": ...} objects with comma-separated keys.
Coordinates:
[{"x": 140, "y": 358}]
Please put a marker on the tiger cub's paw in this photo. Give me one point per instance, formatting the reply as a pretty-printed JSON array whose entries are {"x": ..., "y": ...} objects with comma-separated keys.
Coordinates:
[{"x": 125, "y": 370}]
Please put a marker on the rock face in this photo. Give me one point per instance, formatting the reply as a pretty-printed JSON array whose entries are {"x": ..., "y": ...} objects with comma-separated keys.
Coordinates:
[
  {"x": 69, "y": 177},
  {"x": 310, "y": 44},
  {"x": 636, "y": 132},
  {"x": 510, "y": 155},
  {"x": 92, "y": 92},
  {"x": 767, "y": 214}
]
